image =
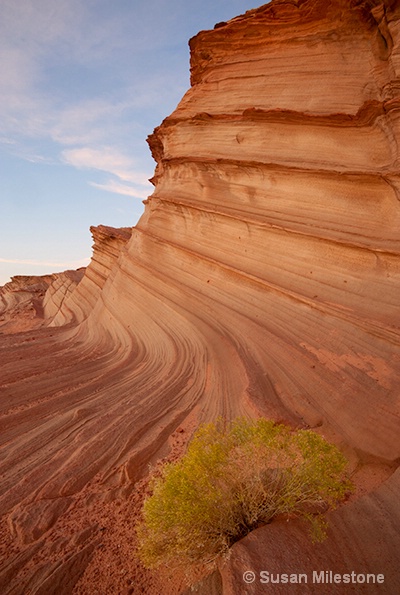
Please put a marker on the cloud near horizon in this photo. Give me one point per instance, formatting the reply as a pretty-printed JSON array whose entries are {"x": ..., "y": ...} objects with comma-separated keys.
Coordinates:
[
  {"x": 123, "y": 189},
  {"x": 111, "y": 161},
  {"x": 76, "y": 264}
]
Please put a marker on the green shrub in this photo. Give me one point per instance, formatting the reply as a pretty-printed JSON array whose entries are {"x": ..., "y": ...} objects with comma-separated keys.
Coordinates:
[{"x": 230, "y": 481}]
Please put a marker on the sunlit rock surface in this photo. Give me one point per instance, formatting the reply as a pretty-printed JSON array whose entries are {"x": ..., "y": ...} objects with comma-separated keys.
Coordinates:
[
  {"x": 66, "y": 306},
  {"x": 262, "y": 279}
]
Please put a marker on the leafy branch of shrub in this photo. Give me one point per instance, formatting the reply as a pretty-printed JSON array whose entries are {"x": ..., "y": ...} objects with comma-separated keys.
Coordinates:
[{"x": 233, "y": 479}]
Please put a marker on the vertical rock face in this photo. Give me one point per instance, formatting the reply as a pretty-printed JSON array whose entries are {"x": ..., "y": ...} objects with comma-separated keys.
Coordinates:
[
  {"x": 63, "y": 306},
  {"x": 262, "y": 279},
  {"x": 278, "y": 176}
]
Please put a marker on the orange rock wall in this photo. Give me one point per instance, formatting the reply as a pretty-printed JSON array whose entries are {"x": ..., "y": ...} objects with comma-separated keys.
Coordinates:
[
  {"x": 63, "y": 306},
  {"x": 266, "y": 266}
]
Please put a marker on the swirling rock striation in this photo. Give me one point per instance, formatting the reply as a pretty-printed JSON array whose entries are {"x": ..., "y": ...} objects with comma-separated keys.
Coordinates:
[
  {"x": 262, "y": 279},
  {"x": 63, "y": 306},
  {"x": 25, "y": 300}
]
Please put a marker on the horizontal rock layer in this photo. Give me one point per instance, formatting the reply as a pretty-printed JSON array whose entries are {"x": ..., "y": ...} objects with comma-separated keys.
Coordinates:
[{"x": 262, "y": 279}]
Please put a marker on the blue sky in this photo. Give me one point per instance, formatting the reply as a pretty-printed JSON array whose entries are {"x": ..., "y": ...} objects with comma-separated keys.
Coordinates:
[{"x": 83, "y": 83}]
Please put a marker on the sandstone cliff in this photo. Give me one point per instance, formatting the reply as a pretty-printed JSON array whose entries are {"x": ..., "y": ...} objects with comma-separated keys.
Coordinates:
[
  {"x": 63, "y": 306},
  {"x": 263, "y": 278},
  {"x": 24, "y": 301}
]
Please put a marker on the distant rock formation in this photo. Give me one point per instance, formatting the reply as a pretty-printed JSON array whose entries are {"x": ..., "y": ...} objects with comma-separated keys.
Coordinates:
[
  {"x": 262, "y": 279},
  {"x": 29, "y": 302},
  {"x": 63, "y": 306},
  {"x": 24, "y": 300}
]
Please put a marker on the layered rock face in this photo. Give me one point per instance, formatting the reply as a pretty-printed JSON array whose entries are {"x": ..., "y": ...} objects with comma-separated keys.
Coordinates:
[
  {"x": 25, "y": 300},
  {"x": 262, "y": 279},
  {"x": 63, "y": 306},
  {"x": 29, "y": 302},
  {"x": 278, "y": 176}
]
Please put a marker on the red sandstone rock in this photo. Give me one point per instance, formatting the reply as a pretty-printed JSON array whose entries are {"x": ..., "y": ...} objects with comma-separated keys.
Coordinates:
[
  {"x": 77, "y": 305},
  {"x": 262, "y": 279},
  {"x": 25, "y": 300},
  {"x": 363, "y": 539}
]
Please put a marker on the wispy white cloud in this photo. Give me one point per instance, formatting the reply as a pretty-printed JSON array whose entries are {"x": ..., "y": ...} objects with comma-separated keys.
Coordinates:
[
  {"x": 75, "y": 75},
  {"x": 128, "y": 181},
  {"x": 28, "y": 29},
  {"x": 48, "y": 50},
  {"x": 87, "y": 121},
  {"x": 117, "y": 188},
  {"x": 106, "y": 159},
  {"x": 4, "y": 140}
]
